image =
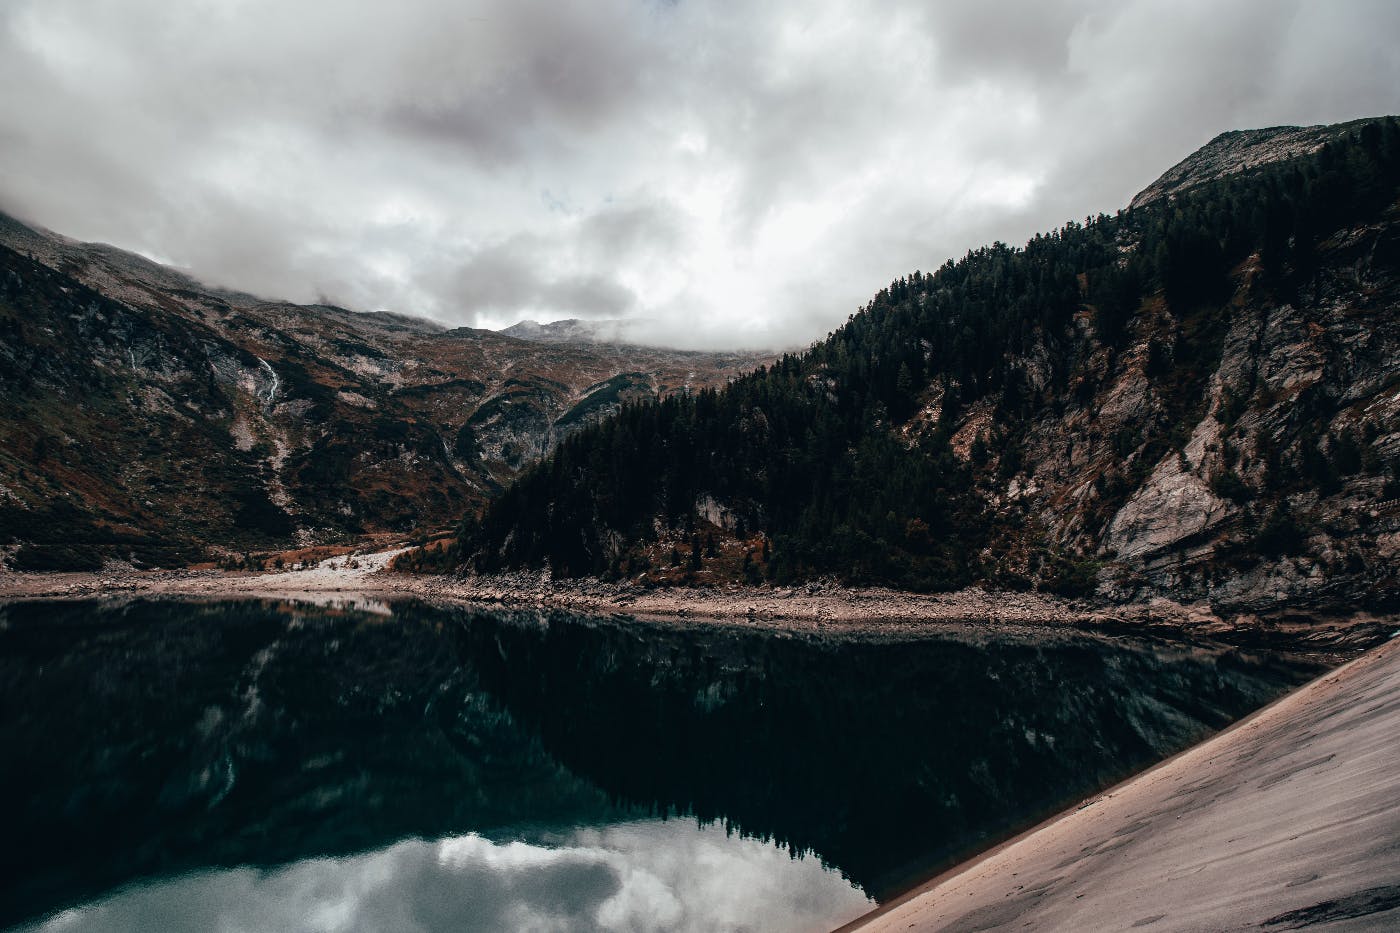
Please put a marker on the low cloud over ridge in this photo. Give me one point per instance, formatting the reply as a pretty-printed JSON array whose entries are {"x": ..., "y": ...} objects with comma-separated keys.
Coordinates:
[{"x": 732, "y": 176}]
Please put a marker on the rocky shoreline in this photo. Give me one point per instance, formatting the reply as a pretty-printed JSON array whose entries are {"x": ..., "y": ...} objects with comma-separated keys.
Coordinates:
[{"x": 823, "y": 607}]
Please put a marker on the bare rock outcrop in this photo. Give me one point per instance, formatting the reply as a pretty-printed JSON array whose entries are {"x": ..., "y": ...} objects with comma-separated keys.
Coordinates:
[
  {"x": 1239, "y": 151},
  {"x": 1173, "y": 506}
]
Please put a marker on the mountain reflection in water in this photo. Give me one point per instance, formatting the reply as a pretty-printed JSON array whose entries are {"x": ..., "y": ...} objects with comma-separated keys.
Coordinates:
[{"x": 257, "y": 765}]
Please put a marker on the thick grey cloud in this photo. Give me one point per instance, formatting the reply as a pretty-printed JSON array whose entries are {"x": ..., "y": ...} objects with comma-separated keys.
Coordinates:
[
  {"x": 516, "y": 273},
  {"x": 730, "y": 174}
]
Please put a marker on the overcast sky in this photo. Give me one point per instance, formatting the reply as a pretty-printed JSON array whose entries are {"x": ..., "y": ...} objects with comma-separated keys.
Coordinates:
[{"x": 730, "y": 173}]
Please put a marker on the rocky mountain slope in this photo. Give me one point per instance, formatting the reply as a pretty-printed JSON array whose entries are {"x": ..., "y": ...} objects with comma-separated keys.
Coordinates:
[
  {"x": 1240, "y": 151},
  {"x": 147, "y": 416},
  {"x": 1198, "y": 397}
]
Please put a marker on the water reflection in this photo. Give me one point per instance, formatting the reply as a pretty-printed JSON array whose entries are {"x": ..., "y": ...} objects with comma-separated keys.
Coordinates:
[
  {"x": 639, "y": 876},
  {"x": 889, "y": 760},
  {"x": 267, "y": 761}
]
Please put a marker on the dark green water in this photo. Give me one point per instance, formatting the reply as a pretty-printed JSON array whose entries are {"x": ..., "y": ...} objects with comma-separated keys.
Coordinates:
[{"x": 257, "y": 766}]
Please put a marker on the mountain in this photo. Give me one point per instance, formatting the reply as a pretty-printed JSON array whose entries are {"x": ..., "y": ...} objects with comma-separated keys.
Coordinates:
[
  {"x": 152, "y": 418},
  {"x": 572, "y": 330},
  {"x": 1198, "y": 396}
]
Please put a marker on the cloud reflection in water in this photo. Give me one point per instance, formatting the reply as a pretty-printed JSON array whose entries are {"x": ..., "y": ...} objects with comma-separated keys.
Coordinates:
[{"x": 645, "y": 875}]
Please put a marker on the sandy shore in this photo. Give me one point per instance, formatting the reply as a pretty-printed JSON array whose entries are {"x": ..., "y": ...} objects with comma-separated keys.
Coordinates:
[
  {"x": 820, "y": 607},
  {"x": 1289, "y": 819},
  {"x": 826, "y": 608}
]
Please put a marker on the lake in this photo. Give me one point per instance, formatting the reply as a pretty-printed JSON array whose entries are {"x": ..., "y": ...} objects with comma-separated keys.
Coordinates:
[{"x": 258, "y": 765}]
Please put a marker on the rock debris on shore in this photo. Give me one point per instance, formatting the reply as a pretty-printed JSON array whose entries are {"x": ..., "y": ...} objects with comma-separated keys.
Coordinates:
[{"x": 818, "y": 606}]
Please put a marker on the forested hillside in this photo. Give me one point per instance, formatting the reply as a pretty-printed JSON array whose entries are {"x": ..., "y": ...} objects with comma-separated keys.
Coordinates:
[{"x": 1200, "y": 392}]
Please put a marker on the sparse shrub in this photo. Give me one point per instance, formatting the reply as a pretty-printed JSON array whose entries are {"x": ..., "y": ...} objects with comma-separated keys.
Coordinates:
[
  {"x": 1228, "y": 485},
  {"x": 1159, "y": 359},
  {"x": 1346, "y": 454},
  {"x": 50, "y": 558},
  {"x": 1280, "y": 534},
  {"x": 1070, "y": 576},
  {"x": 1233, "y": 403},
  {"x": 750, "y": 571}
]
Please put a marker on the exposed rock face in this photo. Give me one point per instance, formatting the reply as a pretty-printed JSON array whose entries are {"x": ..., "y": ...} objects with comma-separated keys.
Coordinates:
[
  {"x": 1280, "y": 489},
  {"x": 146, "y": 414},
  {"x": 716, "y": 513},
  {"x": 1175, "y": 505},
  {"x": 1265, "y": 474}
]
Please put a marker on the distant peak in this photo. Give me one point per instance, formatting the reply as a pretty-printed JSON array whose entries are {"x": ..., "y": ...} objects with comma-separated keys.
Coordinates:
[{"x": 570, "y": 330}]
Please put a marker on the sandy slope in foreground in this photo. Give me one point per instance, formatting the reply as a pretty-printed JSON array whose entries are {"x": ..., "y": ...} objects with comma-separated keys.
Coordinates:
[{"x": 1289, "y": 820}]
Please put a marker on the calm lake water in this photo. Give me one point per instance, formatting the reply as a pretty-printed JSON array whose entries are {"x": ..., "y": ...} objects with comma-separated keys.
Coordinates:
[{"x": 269, "y": 766}]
